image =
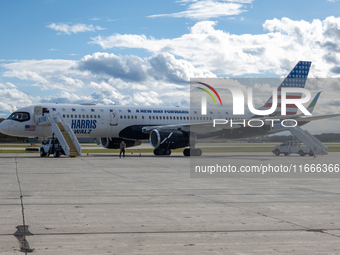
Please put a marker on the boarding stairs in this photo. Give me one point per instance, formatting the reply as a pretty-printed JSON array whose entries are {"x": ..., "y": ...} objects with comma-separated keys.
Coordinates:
[
  {"x": 64, "y": 133},
  {"x": 309, "y": 140}
]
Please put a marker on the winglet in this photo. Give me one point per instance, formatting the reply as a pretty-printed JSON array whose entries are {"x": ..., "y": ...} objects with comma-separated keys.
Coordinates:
[{"x": 313, "y": 103}]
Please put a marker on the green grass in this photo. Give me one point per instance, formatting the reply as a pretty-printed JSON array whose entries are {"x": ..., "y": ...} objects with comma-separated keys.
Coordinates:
[
  {"x": 17, "y": 151},
  {"x": 254, "y": 148},
  {"x": 18, "y": 146},
  {"x": 128, "y": 151}
]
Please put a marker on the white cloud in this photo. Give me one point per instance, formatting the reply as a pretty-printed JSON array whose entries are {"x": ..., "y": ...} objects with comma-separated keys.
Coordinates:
[
  {"x": 7, "y": 85},
  {"x": 161, "y": 66},
  {"x": 285, "y": 43},
  {"x": 45, "y": 74},
  {"x": 146, "y": 98},
  {"x": 69, "y": 29},
  {"x": 107, "y": 78},
  {"x": 11, "y": 99},
  {"x": 206, "y": 9}
]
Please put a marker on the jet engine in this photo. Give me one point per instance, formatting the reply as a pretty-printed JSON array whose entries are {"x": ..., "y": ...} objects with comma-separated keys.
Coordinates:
[{"x": 169, "y": 139}]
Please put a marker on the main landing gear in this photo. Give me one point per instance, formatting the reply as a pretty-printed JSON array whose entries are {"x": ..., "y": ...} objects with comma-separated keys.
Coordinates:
[
  {"x": 159, "y": 152},
  {"x": 186, "y": 152},
  {"x": 194, "y": 152}
]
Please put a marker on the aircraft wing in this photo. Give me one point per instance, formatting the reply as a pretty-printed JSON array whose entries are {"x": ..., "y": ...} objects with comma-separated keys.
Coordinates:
[
  {"x": 320, "y": 117},
  {"x": 207, "y": 127},
  {"x": 198, "y": 128}
]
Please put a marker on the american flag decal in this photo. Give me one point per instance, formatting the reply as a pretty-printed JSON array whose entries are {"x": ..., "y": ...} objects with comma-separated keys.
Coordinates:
[
  {"x": 30, "y": 127},
  {"x": 296, "y": 78}
]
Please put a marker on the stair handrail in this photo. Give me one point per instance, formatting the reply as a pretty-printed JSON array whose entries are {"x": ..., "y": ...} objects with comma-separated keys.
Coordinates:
[
  {"x": 57, "y": 132},
  {"x": 70, "y": 132},
  {"x": 317, "y": 141},
  {"x": 309, "y": 140}
]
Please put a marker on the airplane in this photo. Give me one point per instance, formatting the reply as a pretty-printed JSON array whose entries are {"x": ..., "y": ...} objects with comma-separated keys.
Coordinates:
[{"x": 165, "y": 128}]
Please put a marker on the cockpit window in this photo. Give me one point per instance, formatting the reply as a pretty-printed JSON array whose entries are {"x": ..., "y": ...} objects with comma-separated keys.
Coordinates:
[{"x": 19, "y": 116}]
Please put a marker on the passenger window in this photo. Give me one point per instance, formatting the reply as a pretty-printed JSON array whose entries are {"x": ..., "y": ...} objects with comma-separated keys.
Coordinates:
[
  {"x": 87, "y": 116},
  {"x": 63, "y": 115},
  {"x": 121, "y": 116},
  {"x": 91, "y": 116}
]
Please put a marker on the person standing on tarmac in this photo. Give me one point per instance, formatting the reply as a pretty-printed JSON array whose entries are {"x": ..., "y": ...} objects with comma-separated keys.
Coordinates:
[{"x": 122, "y": 149}]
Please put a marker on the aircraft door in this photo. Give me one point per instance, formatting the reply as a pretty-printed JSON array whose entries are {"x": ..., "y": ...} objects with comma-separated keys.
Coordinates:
[
  {"x": 113, "y": 118},
  {"x": 38, "y": 113}
]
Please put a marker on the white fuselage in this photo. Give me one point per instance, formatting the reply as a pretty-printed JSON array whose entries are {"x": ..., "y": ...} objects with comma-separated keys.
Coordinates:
[{"x": 95, "y": 120}]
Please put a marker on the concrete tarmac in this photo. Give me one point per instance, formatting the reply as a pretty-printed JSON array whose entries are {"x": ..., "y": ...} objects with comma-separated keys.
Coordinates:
[{"x": 100, "y": 204}]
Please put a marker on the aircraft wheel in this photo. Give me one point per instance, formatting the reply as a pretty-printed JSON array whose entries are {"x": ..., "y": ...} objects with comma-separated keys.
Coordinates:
[
  {"x": 167, "y": 152},
  {"x": 56, "y": 154},
  {"x": 42, "y": 153},
  {"x": 277, "y": 152},
  {"x": 156, "y": 152},
  {"x": 186, "y": 152},
  {"x": 198, "y": 152},
  {"x": 301, "y": 153}
]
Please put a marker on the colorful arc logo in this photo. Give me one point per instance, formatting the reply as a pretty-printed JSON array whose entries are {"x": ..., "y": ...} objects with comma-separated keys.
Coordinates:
[{"x": 213, "y": 90}]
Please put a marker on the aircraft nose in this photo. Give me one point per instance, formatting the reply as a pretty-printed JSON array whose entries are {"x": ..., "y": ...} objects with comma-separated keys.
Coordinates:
[{"x": 4, "y": 127}]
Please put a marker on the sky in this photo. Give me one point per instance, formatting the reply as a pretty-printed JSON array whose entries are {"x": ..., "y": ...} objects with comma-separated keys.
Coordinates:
[{"x": 145, "y": 52}]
